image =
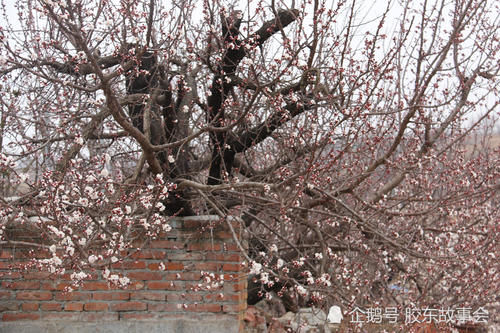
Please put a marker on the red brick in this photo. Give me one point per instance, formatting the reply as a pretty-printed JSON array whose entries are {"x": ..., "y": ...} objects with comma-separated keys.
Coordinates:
[
  {"x": 223, "y": 235},
  {"x": 186, "y": 256},
  {"x": 21, "y": 285},
  {"x": 169, "y": 266},
  {"x": 36, "y": 275},
  {"x": 207, "y": 266},
  {"x": 40, "y": 254},
  {"x": 129, "y": 306},
  {"x": 48, "y": 286},
  {"x": 20, "y": 316},
  {"x": 166, "y": 244},
  {"x": 234, "y": 257},
  {"x": 5, "y": 265},
  {"x": 111, "y": 296},
  {"x": 230, "y": 277},
  {"x": 184, "y": 297},
  {"x": 29, "y": 307},
  {"x": 73, "y": 307},
  {"x": 184, "y": 276},
  {"x": 222, "y": 297},
  {"x": 95, "y": 306},
  {"x": 231, "y": 247},
  {"x": 51, "y": 307},
  {"x": 21, "y": 265},
  {"x": 5, "y": 254},
  {"x": 195, "y": 224},
  {"x": 145, "y": 275},
  {"x": 129, "y": 265},
  {"x": 231, "y": 267},
  {"x": 90, "y": 276},
  {"x": 34, "y": 295},
  {"x": 9, "y": 306},
  {"x": 241, "y": 286},
  {"x": 136, "y": 316},
  {"x": 5, "y": 294},
  {"x": 174, "y": 266},
  {"x": 55, "y": 286},
  {"x": 203, "y": 307},
  {"x": 164, "y": 307},
  {"x": 72, "y": 296},
  {"x": 26, "y": 254},
  {"x": 150, "y": 296},
  {"x": 19, "y": 254},
  {"x": 92, "y": 285},
  {"x": 135, "y": 285},
  {"x": 149, "y": 254},
  {"x": 10, "y": 275},
  {"x": 165, "y": 285},
  {"x": 155, "y": 266},
  {"x": 204, "y": 246},
  {"x": 234, "y": 307}
]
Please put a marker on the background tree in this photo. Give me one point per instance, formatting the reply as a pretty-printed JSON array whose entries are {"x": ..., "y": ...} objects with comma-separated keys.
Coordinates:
[{"x": 351, "y": 142}]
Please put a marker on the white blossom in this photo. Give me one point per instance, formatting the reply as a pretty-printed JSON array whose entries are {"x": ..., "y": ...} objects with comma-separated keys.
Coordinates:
[
  {"x": 301, "y": 290},
  {"x": 70, "y": 250},
  {"x": 79, "y": 140},
  {"x": 83, "y": 201},
  {"x": 325, "y": 280},
  {"x": 280, "y": 263},
  {"x": 264, "y": 277},
  {"x": 56, "y": 231},
  {"x": 256, "y": 268},
  {"x": 309, "y": 278},
  {"x": 110, "y": 187},
  {"x": 160, "y": 206},
  {"x": 92, "y": 259},
  {"x": 78, "y": 276},
  {"x": 89, "y": 231},
  {"x": 124, "y": 281},
  {"x": 113, "y": 278}
]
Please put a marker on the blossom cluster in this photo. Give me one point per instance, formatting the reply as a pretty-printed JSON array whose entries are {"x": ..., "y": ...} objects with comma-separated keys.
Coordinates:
[{"x": 87, "y": 217}]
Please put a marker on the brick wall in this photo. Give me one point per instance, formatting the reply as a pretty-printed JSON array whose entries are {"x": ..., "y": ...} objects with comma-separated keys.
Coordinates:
[{"x": 197, "y": 249}]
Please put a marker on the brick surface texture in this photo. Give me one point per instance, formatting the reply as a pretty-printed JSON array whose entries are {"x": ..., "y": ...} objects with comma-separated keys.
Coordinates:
[{"x": 196, "y": 253}]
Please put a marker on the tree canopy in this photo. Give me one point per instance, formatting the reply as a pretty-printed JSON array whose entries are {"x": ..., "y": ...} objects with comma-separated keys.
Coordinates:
[{"x": 351, "y": 142}]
